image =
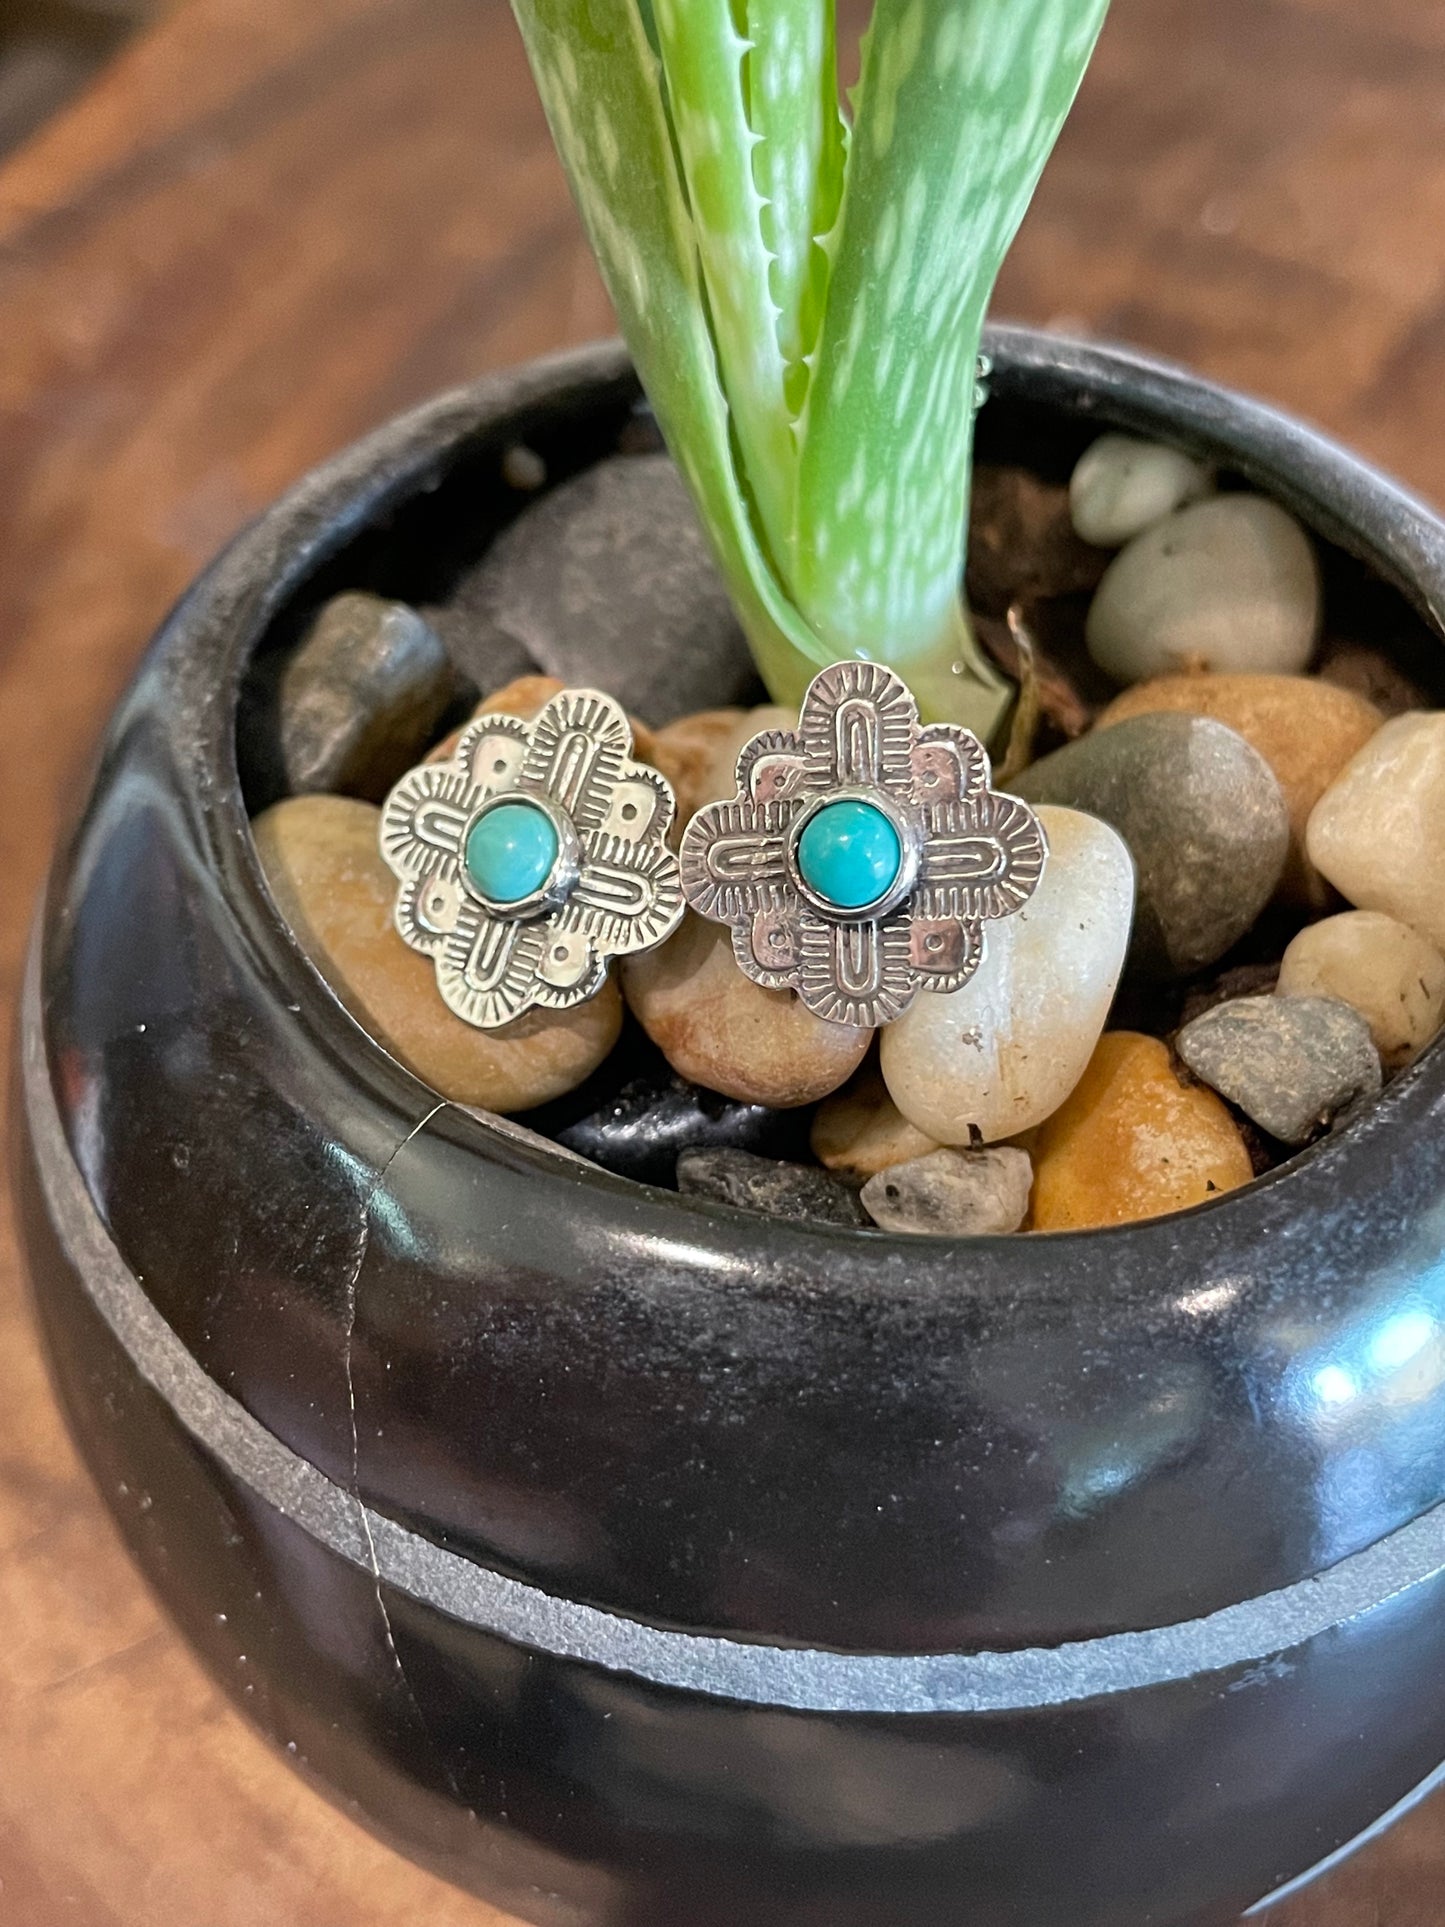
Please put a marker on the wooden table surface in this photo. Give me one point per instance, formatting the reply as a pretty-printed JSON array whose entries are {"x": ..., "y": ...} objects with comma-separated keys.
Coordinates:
[{"x": 272, "y": 224}]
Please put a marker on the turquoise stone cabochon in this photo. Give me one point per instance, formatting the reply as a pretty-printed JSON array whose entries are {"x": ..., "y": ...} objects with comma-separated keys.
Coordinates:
[
  {"x": 510, "y": 851},
  {"x": 849, "y": 853}
]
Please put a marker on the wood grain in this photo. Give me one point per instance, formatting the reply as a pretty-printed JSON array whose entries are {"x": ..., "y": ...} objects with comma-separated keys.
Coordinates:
[{"x": 265, "y": 229}]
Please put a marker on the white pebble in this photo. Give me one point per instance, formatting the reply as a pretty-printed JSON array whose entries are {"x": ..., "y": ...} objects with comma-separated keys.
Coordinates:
[
  {"x": 1227, "y": 585},
  {"x": 953, "y": 1194},
  {"x": 1385, "y": 970},
  {"x": 1378, "y": 832},
  {"x": 1122, "y": 486},
  {"x": 1002, "y": 1054}
]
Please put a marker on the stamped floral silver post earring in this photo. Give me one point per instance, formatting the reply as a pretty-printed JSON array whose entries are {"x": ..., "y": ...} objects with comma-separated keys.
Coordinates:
[
  {"x": 863, "y": 853},
  {"x": 531, "y": 857}
]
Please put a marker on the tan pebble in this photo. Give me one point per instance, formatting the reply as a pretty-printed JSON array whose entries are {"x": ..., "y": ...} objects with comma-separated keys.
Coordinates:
[
  {"x": 719, "y": 1029},
  {"x": 861, "y": 1130},
  {"x": 1389, "y": 974},
  {"x": 1378, "y": 832},
  {"x": 698, "y": 754},
  {"x": 1133, "y": 1142},
  {"x": 1305, "y": 729},
  {"x": 326, "y": 874},
  {"x": 644, "y": 741},
  {"x": 687, "y": 751},
  {"x": 526, "y": 696}
]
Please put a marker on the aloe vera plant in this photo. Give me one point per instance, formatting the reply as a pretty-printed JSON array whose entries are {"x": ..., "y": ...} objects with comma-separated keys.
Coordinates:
[{"x": 803, "y": 299}]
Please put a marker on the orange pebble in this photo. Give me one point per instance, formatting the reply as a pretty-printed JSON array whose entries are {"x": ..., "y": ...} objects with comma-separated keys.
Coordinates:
[{"x": 1133, "y": 1142}]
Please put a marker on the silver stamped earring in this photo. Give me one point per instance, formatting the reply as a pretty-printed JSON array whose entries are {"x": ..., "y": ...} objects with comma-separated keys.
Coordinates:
[
  {"x": 533, "y": 855},
  {"x": 863, "y": 853}
]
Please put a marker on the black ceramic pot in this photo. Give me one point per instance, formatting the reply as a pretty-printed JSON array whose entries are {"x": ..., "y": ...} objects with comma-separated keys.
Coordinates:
[{"x": 640, "y": 1562}]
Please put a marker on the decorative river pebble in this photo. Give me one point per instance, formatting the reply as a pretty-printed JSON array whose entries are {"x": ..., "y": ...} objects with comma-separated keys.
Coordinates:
[
  {"x": 798, "y": 1191},
  {"x": 953, "y": 1194},
  {"x": 1122, "y": 486},
  {"x": 719, "y": 1029},
  {"x": 1228, "y": 584},
  {"x": 1132, "y": 1142},
  {"x": 1378, "y": 832},
  {"x": 1381, "y": 968},
  {"x": 1305, "y": 729},
  {"x": 1203, "y": 817},
  {"x": 990, "y": 1060},
  {"x": 359, "y": 697},
  {"x": 1290, "y": 1063},
  {"x": 861, "y": 1131},
  {"x": 610, "y": 567}
]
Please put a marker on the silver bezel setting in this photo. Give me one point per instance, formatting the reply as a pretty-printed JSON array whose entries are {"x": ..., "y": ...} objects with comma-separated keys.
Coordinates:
[
  {"x": 910, "y": 846},
  {"x": 561, "y": 879}
]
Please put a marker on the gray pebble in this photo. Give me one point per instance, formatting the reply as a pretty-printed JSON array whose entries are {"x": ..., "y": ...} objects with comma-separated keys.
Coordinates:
[
  {"x": 798, "y": 1191},
  {"x": 606, "y": 580},
  {"x": 1203, "y": 816},
  {"x": 1243, "y": 980},
  {"x": 359, "y": 699},
  {"x": 1292, "y": 1064},
  {"x": 1229, "y": 585},
  {"x": 953, "y": 1194}
]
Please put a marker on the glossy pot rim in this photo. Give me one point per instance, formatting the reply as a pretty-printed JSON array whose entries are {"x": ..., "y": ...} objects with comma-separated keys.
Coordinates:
[{"x": 1338, "y": 496}]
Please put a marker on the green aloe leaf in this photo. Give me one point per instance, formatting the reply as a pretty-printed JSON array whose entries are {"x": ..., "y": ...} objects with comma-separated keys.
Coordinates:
[
  {"x": 959, "y": 105},
  {"x": 601, "y": 83},
  {"x": 791, "y": 82},
  {"x": 804, "y": 308},
  {"x": 703, "y": 62}
]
